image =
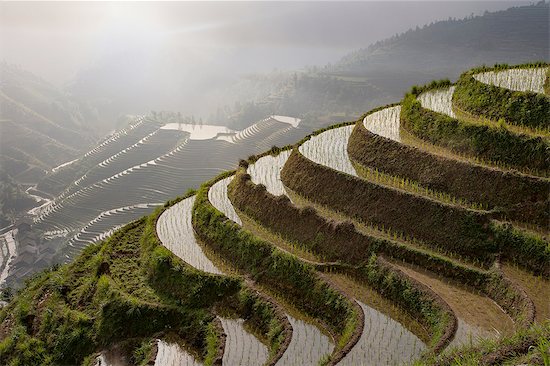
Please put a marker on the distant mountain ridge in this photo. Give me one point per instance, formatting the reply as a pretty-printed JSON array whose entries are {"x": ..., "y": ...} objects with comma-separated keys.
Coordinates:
[
  {"x": 379, "y": 73},
  {"x": 42, "y": 127},
  {"x": 515, "y": 35}
]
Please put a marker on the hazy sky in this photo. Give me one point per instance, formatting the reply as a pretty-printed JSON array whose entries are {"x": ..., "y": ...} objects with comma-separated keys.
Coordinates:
[{"x": 56, "y": 40}]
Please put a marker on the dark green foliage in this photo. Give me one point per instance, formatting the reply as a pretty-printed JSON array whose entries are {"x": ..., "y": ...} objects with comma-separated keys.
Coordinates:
[
  {"x": 485, "y": 142},
  {"x": 435, "y": 84},
  {"x": 432, "y": 311},
  {"x": 519, "y": 108},
  {"x": 527, "y": 250}
]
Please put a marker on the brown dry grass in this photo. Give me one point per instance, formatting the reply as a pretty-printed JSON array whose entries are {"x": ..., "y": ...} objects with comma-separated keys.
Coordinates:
[
  {"x": 536, "y": 287},
  {"x": 474, "y": 309}
]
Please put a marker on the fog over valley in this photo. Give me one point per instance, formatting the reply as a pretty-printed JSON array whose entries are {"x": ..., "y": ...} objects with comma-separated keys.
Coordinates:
[
  {"x": 188, "y": 57},
  {"x": 274, "y": 183}
]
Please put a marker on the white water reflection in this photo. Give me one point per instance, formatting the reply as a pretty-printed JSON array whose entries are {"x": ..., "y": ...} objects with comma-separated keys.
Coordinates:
[
  {"x": 439, "y": 100},
  {"x": 267, "y": 171},
  {"x": 385, "y": 123},
  {"x": 217, "y": 195},
  {"x": 241, "y": 347},
  {"x": 383, "y": 342},
  {"x": 175, "y": 231},
  {"x": 531, "y": 79},
  {"x": 307, "y": 346},
  {"x": 330, "y": 148},
  {"x": 171, "y": 354},
  {"x": 468, "y": 334},
  {"x": 8, "y": 251},
  {"x": 198, "y": 132}
]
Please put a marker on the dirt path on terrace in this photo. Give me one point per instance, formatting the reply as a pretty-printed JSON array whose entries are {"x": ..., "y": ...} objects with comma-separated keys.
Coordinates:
[
  {"x": 536, "y": 287},
  {"x": 478, "y": 316}
]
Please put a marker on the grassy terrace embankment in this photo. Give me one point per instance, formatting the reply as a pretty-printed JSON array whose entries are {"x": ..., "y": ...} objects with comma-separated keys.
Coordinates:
[
  {"x": 525, "y": 107},
  {"x": 492, "y": 187},
  {"x": 439, "y": 225},
  {"x": 294, "y": 280},
  {"x": 486, "y": 142},
  {"x": 341, "y": 242},
  {"x": 352, "y": 252}
]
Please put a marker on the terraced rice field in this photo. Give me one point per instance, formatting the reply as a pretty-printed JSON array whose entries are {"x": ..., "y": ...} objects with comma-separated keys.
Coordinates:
[
  {"x": 478, "y": 316},
  {"x": 267, "y": 171},
  {"x": 330, "y": 149},
  {"x": 439, "y": 100},
  {"x": 147, "y": 163},
  {"x": 241, "y": 347},
  {"x": 163, "y": 163},
  {"x": 307, "y": 346},
  {"x": 306, "y": 339},
  {"x": 399, "y": 344},
  {"x": 7, "y": 250},
  {"x": 385, "y": 123},
  {"x": 176, "y": 233},
  {"x": 383, "y": 342},
  {"x": 106, "y": 223},
  {"x": 525, "y": 80}
]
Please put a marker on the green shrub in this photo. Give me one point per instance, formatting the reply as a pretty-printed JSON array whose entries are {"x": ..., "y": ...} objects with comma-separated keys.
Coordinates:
[
  {"x": 488, "y": 143},
  {"x": 519, "y": 108}
]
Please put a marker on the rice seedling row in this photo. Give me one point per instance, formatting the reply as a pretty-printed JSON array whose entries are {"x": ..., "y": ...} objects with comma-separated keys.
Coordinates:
[{"x": 525, "y": 80}]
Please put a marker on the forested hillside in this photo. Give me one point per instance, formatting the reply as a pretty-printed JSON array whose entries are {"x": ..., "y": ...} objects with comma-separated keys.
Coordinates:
[{"x": 379, "y": 73}]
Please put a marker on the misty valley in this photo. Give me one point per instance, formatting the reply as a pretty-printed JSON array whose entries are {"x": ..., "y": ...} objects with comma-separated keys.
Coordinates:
[{"x": 233, "y": 184}]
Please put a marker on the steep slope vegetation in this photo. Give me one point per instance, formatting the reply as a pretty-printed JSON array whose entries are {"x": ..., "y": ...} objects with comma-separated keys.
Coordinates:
[{"x": 379, "y": 241}]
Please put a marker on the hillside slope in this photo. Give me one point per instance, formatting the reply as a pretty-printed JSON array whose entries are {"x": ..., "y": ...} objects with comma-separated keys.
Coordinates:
[
  {"x": 40, "y": 128},
  {"x": 395, "y": 238},
  {"x": 445, "y": 48}
]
